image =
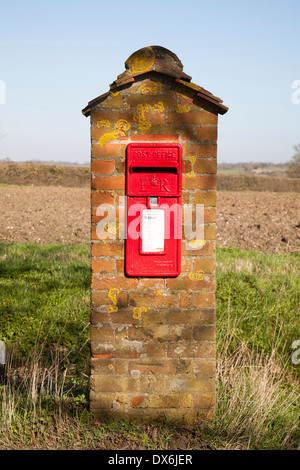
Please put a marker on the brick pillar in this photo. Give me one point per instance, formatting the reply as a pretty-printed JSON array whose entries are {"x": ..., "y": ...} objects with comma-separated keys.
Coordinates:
[{"x": 153, "y": 339}]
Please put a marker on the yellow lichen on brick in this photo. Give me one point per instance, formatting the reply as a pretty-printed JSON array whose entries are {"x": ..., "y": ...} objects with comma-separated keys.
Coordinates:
[
  {"x": 113, "y": 294},
  {"x": 112, "y": 308},
  {"x": 195, "y": 244},
  {"x": 197, "y": 276},
  {"x": 157, "y": 292},
  {"x": 148, "y": 90},
  {"x": 112, "y": 227},
  {"x": 142, "y": 108},
  {"x": 138, "y": 311},
  {"x": 192, "y": 160},
  {"x": 121, "y": 127},
  {"x": 141, "y": 60},
  {"x": 103, "y": 123},
  {"x": 182, "y": 108}
]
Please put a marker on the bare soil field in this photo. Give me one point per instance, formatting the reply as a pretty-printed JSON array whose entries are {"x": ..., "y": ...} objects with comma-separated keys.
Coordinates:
[{"x": 260, "y": 221}]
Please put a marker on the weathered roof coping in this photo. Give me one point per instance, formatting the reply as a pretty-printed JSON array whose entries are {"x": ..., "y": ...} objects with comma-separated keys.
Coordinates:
[{"x": 160, "y": 60}]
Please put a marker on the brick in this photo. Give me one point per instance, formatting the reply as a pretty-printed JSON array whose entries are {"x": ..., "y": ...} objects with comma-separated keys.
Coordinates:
[
  {"x": 205, "y": 133},
  {"x": 205, "y": 166},
  {"x": 150, "y": 367},
  {"x": 209, "y": 235},
  {"x": 102, "y": 355},
  {"x": 129, "y": 349},
  {"x": 206, "y": 265},
  {"x": 107, "y": 117},
  {"x": 120, "y": 317},
  {"x": 189, "y": 316},
  {"x": 210, "y": 232},
  {"x": 108, "y": 366},
  {"x": 162, "y": 401},
  {"x": 137, "y": 401},
  {"x": 110, "y": 384},
  {"x": 152, "y": 100},
  {"x": 152, "y": 283},
  {"x": 204, "y": 400},
  {"x": 193, "y": 117},
  {"x": 186, "y": 265},
  {"x": 119, "y": 299},
  {"x": 190, "y": 249},
  {"x": 140, "y": 300},
  {"x": 192, "y": 349},
  {"x": 204, "y": 332},
  {"x": 207, "y": 198},
  {"x": 200, "y": 150},
  {"x": 209, "y": 216},
  {"x": 155, "y": 137},
  {"x": 150, "y": 384},
  {"x": 113, "y": 100},
  {"x": 163, "y": 333},
  {"x": 204, "y": 300},
  {"x": 109, "y": 213},
  {"x": 102, "y": 334},
  {"x": 155, "y": 350},
  {"x": 195, "y": 281},
  {"x": 107, "y": 249},
  {"x": 204, "y": 366},
  {"x": 120, "y": 265},
  {"x": 94, "y": 234},
  {"x": 102, "y": 266},
  {"x": 112, "y": 182},
  {"x": 152, "y": 317},
  {"x": 186, "y": 400},
  {"x": 118, "y": 282},
  {"x": 98, "y": 198},
  {"x": 184, "y": 300},
  {"x": 102, "y": 349},
  {"x": 120, "y": 166},
  {"x": 102, "y": 400},
  {"x": 199, "y": 182},
  {"x": 102, "y": 166},
  {"x": 111, "y": 150},
  {"x": 190, "y": 383},
  {"x": 186, "y": 166}
]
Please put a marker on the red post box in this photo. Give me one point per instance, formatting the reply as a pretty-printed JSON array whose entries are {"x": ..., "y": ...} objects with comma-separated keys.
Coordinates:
[{"x": 153, "y": 214}]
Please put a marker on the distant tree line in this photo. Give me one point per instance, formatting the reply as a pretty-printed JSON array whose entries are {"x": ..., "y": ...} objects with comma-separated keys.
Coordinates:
[{"x": 293, "y": 170}]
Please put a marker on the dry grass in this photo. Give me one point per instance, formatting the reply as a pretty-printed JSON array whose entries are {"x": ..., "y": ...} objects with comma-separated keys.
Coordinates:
[
  {"x": 258, "y": 408},
  {"x": 258, "y": 402}
]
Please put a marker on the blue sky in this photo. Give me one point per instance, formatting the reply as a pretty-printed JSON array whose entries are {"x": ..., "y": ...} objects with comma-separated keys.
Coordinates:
[{"x": 56, "y": 56}]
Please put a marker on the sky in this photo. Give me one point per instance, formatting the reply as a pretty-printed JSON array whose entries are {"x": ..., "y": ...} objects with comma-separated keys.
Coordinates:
[{"x": 57, "y": 56}]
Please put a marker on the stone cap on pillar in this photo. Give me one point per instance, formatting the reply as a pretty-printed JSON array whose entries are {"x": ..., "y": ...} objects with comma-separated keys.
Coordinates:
[{"x": 156, "y": 59}]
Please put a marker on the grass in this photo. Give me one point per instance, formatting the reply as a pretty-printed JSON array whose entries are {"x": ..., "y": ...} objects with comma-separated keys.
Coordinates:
[
  {"x": 258, "y": 300},
  {"x": 44, "y": 305}
]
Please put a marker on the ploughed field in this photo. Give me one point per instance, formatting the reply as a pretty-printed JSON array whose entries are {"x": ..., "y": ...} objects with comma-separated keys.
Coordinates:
[{"x": 264, "y": 221}]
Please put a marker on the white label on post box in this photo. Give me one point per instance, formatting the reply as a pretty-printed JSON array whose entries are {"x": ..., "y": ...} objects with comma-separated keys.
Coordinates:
[{"x": 153, "y": 230}]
